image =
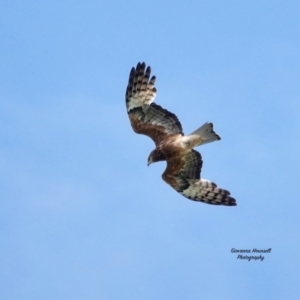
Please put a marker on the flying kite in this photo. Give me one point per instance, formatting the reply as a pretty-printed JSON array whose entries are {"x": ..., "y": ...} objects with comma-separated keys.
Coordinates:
[{"x": 163, "y": 127}]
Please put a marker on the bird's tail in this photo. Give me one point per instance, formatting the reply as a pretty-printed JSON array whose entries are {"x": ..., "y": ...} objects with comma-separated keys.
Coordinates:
[{"x": 203, "y": 135}]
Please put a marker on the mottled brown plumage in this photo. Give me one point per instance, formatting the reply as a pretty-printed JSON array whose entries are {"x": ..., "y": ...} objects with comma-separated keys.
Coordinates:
[{"x": 183, "y": 162}]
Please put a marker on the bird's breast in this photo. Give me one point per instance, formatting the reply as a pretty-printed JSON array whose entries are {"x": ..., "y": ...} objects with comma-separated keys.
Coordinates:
[{"x": 172, "y": 147}]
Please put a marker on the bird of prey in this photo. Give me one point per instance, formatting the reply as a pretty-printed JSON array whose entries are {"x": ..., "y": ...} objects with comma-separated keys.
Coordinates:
[{"x": 163, "y": 127}]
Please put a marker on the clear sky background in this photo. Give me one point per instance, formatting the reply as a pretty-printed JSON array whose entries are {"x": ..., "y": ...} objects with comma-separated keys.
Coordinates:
[{"x": 81, "y": 214}]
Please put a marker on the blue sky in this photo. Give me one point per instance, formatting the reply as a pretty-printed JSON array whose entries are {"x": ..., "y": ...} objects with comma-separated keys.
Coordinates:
[{"x": 81, "y": 215}]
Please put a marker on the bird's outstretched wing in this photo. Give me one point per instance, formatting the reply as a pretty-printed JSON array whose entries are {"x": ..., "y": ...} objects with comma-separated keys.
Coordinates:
[
  {"x": 145, "y": 116},
  {"x": 183, "y": 174}
]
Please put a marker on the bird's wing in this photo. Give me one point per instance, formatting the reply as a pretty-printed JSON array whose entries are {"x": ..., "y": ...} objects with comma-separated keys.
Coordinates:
[
  {"x": 183, "y": 174},
  {"x": 145, "y": 116}
]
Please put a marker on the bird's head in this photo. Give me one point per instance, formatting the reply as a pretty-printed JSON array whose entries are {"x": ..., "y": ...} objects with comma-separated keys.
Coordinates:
[{"x": 155, "y": 156}]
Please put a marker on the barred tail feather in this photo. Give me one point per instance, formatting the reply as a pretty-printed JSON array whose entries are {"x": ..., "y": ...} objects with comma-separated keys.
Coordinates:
[{"x": 205, "y": 134}]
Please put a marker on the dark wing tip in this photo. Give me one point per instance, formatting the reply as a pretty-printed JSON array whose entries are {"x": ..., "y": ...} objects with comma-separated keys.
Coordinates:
[
  {"x": 230, "y": 202},
  {"x": 140, "y": 66},
  {"x": 131, "y": 75},
  {"x": 227, "y": 201}
]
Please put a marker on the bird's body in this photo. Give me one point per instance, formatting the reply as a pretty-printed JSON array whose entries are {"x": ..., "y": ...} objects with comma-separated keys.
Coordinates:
[{"x": 183, "y": 162}]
